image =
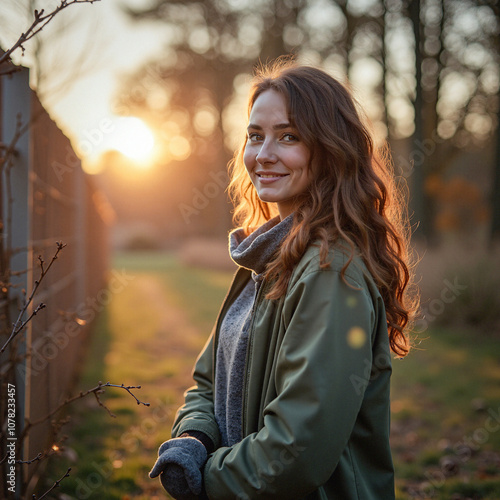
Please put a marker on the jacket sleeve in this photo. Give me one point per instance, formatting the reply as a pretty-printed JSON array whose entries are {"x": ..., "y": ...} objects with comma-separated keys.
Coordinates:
[
  {"x": 325, "y": 348},
  {"x": 197, "y": 413}
]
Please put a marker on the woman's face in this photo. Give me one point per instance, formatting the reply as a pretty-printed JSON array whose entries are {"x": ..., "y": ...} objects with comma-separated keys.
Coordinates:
[{"x": 276, "y": 159}]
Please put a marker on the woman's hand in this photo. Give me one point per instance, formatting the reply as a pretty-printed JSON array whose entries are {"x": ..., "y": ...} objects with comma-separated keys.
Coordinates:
[{"x": 179, "y": 467}]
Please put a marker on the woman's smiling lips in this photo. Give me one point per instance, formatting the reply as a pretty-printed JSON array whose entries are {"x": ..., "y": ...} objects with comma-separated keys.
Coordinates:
[{"x": 269, "y": 177}]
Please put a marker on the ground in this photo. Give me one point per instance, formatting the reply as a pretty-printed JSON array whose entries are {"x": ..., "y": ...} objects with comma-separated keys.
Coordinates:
[{"x": 445, "y": 394}]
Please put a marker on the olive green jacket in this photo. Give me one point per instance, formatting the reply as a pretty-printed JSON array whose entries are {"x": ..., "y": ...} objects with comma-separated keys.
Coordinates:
[{"x": 316, "y": 392}]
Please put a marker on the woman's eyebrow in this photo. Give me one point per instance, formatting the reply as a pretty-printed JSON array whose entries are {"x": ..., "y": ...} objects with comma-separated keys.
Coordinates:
[{"x": 278, "y": 126}]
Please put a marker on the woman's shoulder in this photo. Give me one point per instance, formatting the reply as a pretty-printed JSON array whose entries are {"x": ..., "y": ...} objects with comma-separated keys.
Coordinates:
[{"x": 339, "y": 256}]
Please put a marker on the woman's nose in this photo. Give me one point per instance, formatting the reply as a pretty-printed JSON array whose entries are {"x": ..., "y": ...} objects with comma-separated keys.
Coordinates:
[{"x": 266, "y": 153}]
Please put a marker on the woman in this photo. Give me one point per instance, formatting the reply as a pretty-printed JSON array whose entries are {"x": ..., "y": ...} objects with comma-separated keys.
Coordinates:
[{"x": 292, "y": 389}]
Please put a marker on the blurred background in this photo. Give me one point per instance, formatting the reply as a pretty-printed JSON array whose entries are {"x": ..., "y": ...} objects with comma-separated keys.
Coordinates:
[{"x": 151, "y": 96}]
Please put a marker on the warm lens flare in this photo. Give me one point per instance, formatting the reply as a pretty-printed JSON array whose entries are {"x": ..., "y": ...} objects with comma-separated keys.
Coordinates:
[{"x": 134, "y": 139}]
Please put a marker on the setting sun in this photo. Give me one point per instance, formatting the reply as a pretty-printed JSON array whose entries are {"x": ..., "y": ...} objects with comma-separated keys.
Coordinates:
[{"x": 134, "y": 139}]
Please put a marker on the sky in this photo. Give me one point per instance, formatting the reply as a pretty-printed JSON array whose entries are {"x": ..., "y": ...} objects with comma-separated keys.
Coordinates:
[{"x": 106, "y": 46}]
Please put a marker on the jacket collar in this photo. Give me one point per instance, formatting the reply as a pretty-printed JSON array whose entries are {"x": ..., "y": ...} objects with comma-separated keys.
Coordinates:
[{"x": 256, "y": 250}]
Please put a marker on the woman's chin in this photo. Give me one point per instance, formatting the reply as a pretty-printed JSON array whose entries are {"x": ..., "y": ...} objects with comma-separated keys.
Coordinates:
[{"x": 269, "y": 199}]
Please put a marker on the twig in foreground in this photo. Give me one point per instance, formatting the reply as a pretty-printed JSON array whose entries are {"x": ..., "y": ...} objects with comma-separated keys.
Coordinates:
[
  {"x": 19, "y": 325},
  {"x": 98, "y": 389},
  {"x": 53, "y": 487},
  {"x": 28, "y": 462},
  {"x": 40, "y": 21}
]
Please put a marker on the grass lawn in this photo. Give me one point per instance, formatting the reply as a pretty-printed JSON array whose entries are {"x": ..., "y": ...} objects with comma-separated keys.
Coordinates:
[{"x": 445, "y": 395}]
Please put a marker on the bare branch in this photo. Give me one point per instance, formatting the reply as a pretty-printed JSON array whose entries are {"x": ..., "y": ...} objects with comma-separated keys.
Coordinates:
[
  {"x": 19, "y": 325},
  {"x": 40, "y": 21},
  {"x": 97, "y": 390},
  {"x": 28, "y": 462},
  {"x": 54, "y": 486},
  {"x": 102, "y": 405},
  {"x": 38, "y": 308},
  {"x": 107, "y": 384}
]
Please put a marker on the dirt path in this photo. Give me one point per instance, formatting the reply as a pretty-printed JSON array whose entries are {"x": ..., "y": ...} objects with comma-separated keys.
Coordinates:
[{"x": 176, "y": 338}]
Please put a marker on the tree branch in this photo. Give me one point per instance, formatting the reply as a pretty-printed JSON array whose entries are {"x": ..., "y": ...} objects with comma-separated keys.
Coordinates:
[
  {"x": 40, "y": 21},
  {"x": 97, "y": 390},
  {"x": 28, "y": 462},
  {"x": 19, "y": 325},
  {"x": 54, "y": 486}
]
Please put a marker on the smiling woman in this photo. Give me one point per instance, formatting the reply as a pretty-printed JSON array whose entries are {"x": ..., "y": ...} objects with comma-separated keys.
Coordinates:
[
  {"x": 292, "y": 389},
  {"x": 276, "y": 159}
]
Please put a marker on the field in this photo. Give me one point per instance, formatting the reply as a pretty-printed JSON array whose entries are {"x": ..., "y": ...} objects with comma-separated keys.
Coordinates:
[{"x": 445, "y": 394}]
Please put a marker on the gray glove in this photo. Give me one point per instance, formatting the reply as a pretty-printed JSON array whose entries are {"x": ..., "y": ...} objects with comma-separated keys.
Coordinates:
[{"x": 179, "y": 463}]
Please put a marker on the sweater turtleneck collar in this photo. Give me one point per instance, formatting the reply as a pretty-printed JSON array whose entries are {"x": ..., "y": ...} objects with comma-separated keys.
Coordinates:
[{"x": 254, "y": 251}]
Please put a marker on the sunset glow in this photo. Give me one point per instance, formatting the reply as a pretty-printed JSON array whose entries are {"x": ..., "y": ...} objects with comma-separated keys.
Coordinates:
[{"x": 134, "y": 139}]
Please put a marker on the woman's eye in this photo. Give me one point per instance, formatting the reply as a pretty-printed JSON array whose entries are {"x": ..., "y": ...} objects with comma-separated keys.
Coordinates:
[
  {"x": 289, "y": 138},
  {"x": 254, "y": 137}
]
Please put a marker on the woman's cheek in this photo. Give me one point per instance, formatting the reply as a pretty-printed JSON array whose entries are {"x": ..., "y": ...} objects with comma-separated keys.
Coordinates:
[{"x": 247, "y": 158}]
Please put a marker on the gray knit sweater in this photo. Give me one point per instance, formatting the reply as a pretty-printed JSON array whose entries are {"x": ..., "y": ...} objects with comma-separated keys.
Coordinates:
[{"x": 252, "y": 252}]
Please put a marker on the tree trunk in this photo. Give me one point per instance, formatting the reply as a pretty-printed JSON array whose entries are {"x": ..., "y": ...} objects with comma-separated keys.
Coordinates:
[
  {"x": 417, "y": 211},
  {"x": 495, "y": 195}
]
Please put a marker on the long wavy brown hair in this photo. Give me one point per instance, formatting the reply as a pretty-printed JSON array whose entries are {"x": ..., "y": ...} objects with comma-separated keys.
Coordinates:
[{"x": 352, "y": 197}]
